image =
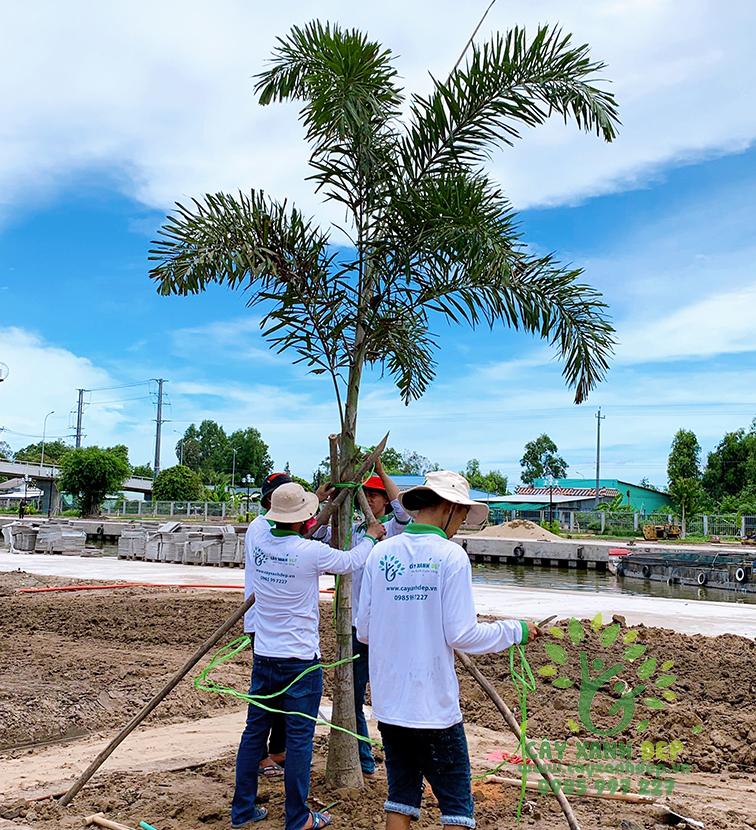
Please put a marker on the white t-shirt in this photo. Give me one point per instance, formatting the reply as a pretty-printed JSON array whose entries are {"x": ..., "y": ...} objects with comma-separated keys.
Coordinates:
[
  {"x": 285, "y": 570},
  {"x": 259, "y": 525},
  {"x": 416, "y": 607},
  {"x": 394, "y": 523}
]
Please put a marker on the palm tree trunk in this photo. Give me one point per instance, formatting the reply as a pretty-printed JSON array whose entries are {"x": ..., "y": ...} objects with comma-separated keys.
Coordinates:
[{"x": 343, "y": 764}]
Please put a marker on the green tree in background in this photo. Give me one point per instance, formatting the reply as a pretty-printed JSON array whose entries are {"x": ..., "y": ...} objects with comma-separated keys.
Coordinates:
[
  {"x": 541, "y": 460},
  {"x": 684, "y": 474},
  {"x": 55, "y": 451},
  {"x": 177, "y": 483},
  {"x": 684, "y": 456},
  {"x": 5, "y": 451},
  {"x": 209, "y": 451},
  {"x": 92, "y": 473},
  {"x": 252, "y": 455},
  {"x": 731, "y": 465},
  {"x": 494, "y": 481},
  {"x": 143, "y": 471}
]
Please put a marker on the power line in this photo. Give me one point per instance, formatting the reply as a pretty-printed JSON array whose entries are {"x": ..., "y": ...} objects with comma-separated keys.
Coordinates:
[
  {"x": 119, "y": 400},
  {"x": 122, "y": 386}
]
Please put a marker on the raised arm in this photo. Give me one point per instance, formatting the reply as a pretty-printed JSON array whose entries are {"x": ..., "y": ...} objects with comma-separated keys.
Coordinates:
[
  {"x": 401, "y": 516},
  {"x": 461, "y": 627},
  {"x": 335, "y": 561}
]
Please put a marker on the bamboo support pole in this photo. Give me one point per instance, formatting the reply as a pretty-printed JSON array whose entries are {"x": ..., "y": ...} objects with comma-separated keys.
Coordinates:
[
  {"x": 220, "y": 632},
  {"x": 488, "y": 688},
  {"x": 325, "y": 514}
]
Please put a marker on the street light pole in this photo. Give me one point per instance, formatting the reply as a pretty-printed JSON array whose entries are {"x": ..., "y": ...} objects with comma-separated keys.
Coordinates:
[
  {"x": 247, "y": 480},
  {"x": 44, "y": 433},
  {"x": 233, "y": 469}
]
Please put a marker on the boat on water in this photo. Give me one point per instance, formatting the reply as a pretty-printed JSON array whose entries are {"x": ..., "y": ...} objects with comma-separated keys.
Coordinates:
[{"x": 728, "y": 570}]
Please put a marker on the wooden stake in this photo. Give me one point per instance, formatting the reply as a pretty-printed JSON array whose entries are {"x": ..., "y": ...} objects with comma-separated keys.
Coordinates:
[
  {"x": 325, "y": 514},
  {"x": 160, "y": 696},
  {"x": 100, "y": 820},
  {"x": 488, "y": 688}
]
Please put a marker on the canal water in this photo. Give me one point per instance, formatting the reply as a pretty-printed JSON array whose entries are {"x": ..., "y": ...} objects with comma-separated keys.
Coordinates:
[{"x": 537, "y": 578}]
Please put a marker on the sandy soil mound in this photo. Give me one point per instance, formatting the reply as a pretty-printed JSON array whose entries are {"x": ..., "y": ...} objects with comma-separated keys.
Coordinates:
[{"x": 520, "y": 529}]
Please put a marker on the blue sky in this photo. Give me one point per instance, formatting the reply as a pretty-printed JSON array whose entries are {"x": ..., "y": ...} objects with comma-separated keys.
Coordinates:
[{"x": 662, "y": 222}]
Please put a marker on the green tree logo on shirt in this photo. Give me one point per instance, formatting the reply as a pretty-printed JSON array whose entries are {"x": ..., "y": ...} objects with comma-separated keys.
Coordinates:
[
  {"x": 391, "y": 567},
  {"x": 260, "y": 556}
]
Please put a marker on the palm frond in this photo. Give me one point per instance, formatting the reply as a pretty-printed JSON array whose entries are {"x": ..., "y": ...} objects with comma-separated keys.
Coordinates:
[
  {"x": 345, "y": 79},
  {"x": 245, "y": 241},
  {"x": 458, "y": 253},
  {"x": 508, "y": 83},
  {"x": 399, "y": 340}
]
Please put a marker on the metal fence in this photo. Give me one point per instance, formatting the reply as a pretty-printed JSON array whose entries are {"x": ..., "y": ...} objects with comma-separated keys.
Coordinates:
[
  {"x": 627, "y": 523},
  {"x": 178, "y": 509}
]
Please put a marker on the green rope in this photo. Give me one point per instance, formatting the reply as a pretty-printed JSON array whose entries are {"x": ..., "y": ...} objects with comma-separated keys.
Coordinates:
[
  {"x": 524, "y": 681},
  {"x": 203, "y": 683}
]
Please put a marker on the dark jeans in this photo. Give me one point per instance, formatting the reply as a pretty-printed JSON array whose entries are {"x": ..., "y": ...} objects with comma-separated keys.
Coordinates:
[
  {"x": 270, "y": 675},
  {"x": 439, "y": 755},
  {"x": 277, "y": 743},
  {"x": 360, "y": 670}
]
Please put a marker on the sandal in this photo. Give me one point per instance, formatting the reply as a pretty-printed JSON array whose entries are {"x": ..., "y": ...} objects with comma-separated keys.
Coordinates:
[
  {"x": 260, "y": 814},
  {"x": 319, "y": 820},
  {"x": 270, "y": 771}
]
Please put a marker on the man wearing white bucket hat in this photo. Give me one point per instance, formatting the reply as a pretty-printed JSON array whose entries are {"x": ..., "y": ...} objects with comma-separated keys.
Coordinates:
[
  {"x": 287, "y": 650},
  {"x": 421, "y": 582}
]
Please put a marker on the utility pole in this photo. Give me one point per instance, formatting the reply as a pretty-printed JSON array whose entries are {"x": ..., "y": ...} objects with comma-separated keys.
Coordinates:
[
  {"x": 79, "y": 414},
  {"x": 599, "y": 419},
  {"x": 159, "y": 423}
]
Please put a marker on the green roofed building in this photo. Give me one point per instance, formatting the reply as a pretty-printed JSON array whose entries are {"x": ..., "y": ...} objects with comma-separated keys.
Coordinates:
[{"x": 580, "y": 494}]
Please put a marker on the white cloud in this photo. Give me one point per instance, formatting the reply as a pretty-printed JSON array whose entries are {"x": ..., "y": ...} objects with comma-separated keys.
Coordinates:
[
  {"x": 44, "y": 377},
  {"x": 159, "y": 96},
  {"x": 721, "y": 323}
]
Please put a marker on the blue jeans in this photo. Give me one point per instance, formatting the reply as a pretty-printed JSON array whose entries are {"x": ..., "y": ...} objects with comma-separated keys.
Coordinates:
[
  {"x": 277, "y": 743},
  {"x": 439, "y": 755},
  {"x": 270, "y": 675},
  {"x": 360, "y": 671}
]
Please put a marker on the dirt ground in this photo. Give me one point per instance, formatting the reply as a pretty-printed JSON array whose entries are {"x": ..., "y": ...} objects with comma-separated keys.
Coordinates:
[{"x": 80, "y": 664}]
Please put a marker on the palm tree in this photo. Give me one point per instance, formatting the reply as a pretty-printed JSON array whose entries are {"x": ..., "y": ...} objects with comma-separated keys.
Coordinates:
[{"x": 431, "y": 235}]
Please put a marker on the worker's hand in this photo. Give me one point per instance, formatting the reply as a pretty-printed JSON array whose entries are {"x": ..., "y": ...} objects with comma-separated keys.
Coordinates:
[
  {"x": 376, "y": 530},
  {"x": 325, "y": 491},
  {"x": 378, "y": 465},
  {"x": 533, "y": 631}
]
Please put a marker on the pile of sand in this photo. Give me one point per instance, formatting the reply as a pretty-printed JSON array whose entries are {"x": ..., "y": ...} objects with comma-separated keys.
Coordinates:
[{"x": 520, "y": 529}]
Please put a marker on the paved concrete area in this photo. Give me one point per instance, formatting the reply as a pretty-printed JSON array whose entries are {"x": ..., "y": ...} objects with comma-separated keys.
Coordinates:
[{"x": 687, "y": 616}]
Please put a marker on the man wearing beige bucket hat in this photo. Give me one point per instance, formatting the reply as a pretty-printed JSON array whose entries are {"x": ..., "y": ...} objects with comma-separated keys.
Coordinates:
[
  {"x": 285, "y": 571},
  {"x": 421, "y": 582}
]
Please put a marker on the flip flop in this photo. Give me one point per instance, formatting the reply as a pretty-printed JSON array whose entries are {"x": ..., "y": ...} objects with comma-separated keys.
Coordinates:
[
  {"x": 320, "y": 820},
  {"x": 261, "y": 814},
  {"x": 270, "y": 771}
]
